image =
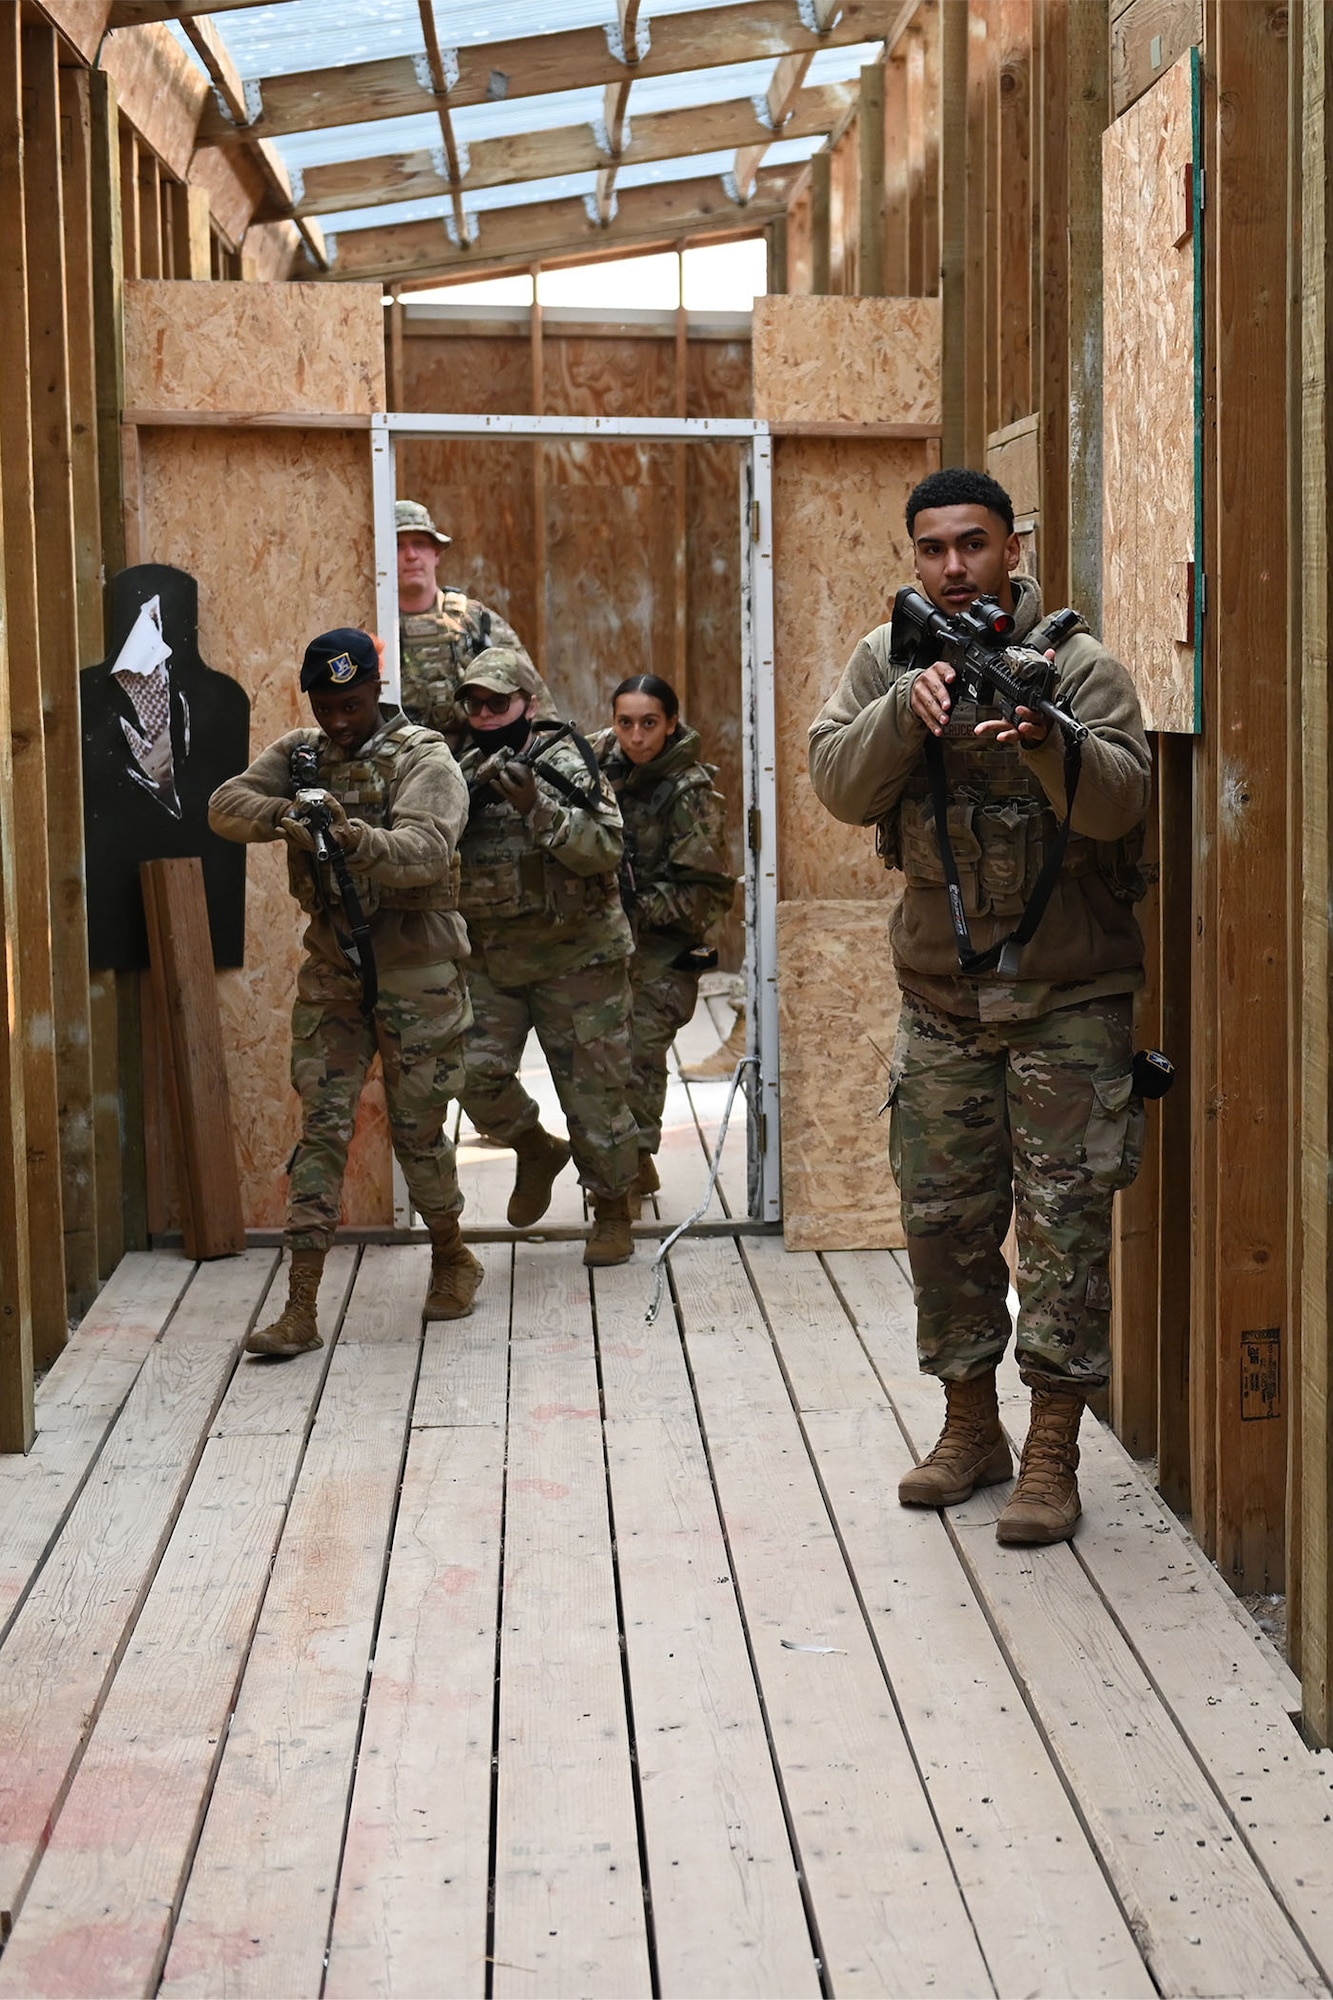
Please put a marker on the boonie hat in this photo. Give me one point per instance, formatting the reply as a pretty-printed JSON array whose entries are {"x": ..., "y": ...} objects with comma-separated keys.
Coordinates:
[
  {"x": 502, "y": 671},
  {"x": 340, "y": 659},
  {"x": 411, "y": 518}
]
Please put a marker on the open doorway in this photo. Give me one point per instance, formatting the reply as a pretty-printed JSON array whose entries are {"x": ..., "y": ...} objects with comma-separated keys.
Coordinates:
[{"x": 754, "y": 523}]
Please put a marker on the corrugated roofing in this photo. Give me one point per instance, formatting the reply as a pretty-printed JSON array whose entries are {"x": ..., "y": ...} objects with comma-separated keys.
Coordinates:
[
  {"x": 302, "y": 35},
  {"x": 320, "y": 34},
  {"x": 689, "y": 167}
]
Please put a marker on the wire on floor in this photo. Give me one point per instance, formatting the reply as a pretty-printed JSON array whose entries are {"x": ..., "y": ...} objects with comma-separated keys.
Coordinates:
[{"x": 659, "y": 1261}]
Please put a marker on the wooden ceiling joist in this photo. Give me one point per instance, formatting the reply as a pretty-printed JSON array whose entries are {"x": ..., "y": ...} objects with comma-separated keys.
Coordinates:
[
  {"x": 280, "y": 198},
  {"x": 440, "y": 80},
  {"x": 136, "y": 13},
  {"x": 545, "y": 232},
  {"x": 397, "y": 87},
  {"x": 568, "y": 149}
]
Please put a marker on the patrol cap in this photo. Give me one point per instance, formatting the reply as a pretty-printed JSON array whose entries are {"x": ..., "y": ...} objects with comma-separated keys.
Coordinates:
[
  {"x": 503, "y": 671},
  {"x": 411, "y": 518},
  {"x": 339, "y": 659}
]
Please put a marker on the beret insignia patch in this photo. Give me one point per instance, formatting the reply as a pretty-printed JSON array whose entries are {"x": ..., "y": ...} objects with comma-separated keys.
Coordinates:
[{"x": 342, "y": 670}]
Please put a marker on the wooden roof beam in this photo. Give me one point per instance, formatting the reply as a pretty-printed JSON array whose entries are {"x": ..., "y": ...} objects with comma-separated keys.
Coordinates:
[
  {"x": 135, "y": 13},
  {"x": 788, "y": 75},
  {"x": 568, "y": 149},
  {"x": 440, "y": 77},
  {"x": 280, "y": 202},
  {"x": 617, "y": 107},
  {"x": 537, "y": 64},
  {"x": 528, "y": 233}
]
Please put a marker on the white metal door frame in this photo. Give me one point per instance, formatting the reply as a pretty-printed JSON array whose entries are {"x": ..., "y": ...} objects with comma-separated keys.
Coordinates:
[{"x": 759, "y": 732}]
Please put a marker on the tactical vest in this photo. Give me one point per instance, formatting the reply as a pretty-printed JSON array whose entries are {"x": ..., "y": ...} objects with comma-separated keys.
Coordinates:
[
  {"x": 438, "y": 645},
  {"x": 363, "y": 786},
  {"x": 1001, "y": 824},
  {"x": 645, "y": 815},
  {"x": 505, "y": 875}
]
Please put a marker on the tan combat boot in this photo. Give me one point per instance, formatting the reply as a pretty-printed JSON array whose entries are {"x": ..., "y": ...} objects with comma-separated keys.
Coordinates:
[
  {"x": 610, "y": 1241},
  {"x": 541, "y": 1158},
  {"x": 972, "y": 1450},
  {"x": 295, "y": 1330},
  {"x": 1045, "y": 1503},
  {"x": 645, "y": 1182},
  {"x": 455, "y": 1273}
]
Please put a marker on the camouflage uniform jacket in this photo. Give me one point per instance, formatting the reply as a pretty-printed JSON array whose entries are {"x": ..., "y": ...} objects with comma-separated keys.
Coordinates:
[
  {"x": 675, "y": 842},
  {"x": 405, "y": 786},
  {"x": 868, "y": 766},
  {"x": 541, "y": 894},
  {"x": 436, "y": 648}
]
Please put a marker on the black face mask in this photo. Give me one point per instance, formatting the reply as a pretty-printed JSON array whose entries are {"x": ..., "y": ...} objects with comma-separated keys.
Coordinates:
[{"x": 509, "y": 736}]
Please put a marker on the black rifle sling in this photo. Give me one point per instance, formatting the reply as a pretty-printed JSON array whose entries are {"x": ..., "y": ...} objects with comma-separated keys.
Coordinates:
[
  {"x": 1004, "y": 956},
  {"x": 354, "y": 943},
  {"x": 557, "y": 732}
]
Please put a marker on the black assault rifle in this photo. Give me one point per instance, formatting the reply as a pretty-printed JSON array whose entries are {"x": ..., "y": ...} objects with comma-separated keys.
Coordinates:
[
  {"x": 988, "y": 671},
  {"x": 309, "y": 807}
]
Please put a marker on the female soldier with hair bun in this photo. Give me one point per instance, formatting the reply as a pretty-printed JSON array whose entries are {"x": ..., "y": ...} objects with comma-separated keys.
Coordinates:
[{"x": 676, "y": 882}]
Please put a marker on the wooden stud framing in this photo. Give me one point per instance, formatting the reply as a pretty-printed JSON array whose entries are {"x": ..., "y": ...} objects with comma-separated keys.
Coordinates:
[
  {"x": 32, "y": 933},
  {"x": 870, "y": 181},
  {"x": 916, "y": 160},
  {"x": 1309, "y": 557},
  {"x": 975, "y": 326},
  {"x": 680, "y": 479},
  {"x": 1051, "y": 295},
  {"x": 895, "y": 174},
  {"x": 1013, "y": 169},
  {"x": 953, "y": 213},
  {"x": 1087, "y": 101},
  {"x": 821, "y": 221},
  {"x": 1241, "y": 1010},
  {"x": 56, "y": 201},
  {"x": 16, "y": 1373}
]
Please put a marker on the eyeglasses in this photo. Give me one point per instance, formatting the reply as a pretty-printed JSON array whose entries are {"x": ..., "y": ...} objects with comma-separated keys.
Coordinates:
[{"x": 485, "y": 704}]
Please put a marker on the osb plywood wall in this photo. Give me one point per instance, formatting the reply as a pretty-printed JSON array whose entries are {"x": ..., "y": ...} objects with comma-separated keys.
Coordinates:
[
  {"x": 1148, "y": 527},
  {"x": 610, "y": 514},
  {"x": 836, "y": 360},
  {"x": 840, "y": 552},
  {"x": 276, "y": 525},
  {"x": 838, "y": 1016},
  {"x": 253, "y": 348}
]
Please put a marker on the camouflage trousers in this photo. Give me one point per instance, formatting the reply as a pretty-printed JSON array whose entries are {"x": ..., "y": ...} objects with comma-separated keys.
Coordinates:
[
  {"x": 417, "y": 1031},
  {"x": 664, "y": 999},
  {"x": 582, "y": 1022},
  {"x": 1034, "y": 1119}
]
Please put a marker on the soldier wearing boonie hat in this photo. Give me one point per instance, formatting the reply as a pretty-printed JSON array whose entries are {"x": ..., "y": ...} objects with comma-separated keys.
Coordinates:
[
  {"x": 393, "y": 801},
  {"x": 550, "y": 948},
  {"x": 441, "y": 629}
]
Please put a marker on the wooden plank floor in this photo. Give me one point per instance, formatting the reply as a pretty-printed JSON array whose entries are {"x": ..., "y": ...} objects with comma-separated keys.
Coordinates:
[{"x": 554, "y": 1653}]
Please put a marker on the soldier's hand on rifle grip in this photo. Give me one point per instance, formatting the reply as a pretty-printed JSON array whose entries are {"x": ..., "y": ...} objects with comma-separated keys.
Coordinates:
[
  {"x": 1027, "y": 729},
  {"x": 295, "y": 832},
  {"x": 930, "y": 700},
  {"x": 518, "y": 785},
  {"x": 347, "y": 832}
]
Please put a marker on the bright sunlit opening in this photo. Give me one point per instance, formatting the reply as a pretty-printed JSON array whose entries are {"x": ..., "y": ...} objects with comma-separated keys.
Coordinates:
[{"x": 718, "y": 277}]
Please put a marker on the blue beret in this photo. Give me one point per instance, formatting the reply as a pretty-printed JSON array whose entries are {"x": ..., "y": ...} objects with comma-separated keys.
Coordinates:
[{"x": 340, "y": 659}]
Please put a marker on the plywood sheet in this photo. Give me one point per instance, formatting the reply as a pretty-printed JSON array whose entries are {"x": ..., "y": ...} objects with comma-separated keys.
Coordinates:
[
  {"x": 834, "y": 360},
  {"x": 82, "y": 22},
  {"x": 253, "y": 347},
  {"x": 233, "y": 184},
  {"x": 158, "y": 90},
  {"x": 840, "y": 553},
  {"x": 296, "y": 557},
  {"x": 1148, "y": 358},
  {"x": 1012, "y": 457},
  {"x": 838, "y": 1016}
]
